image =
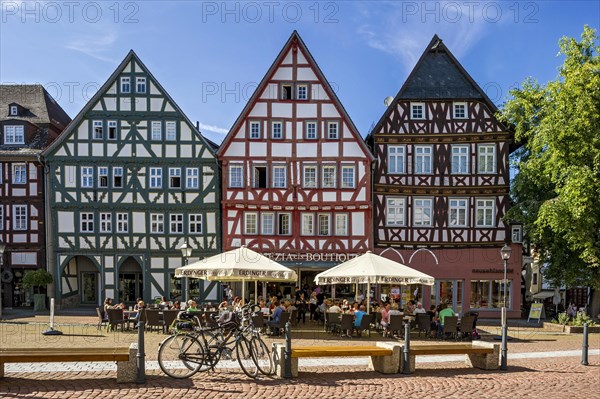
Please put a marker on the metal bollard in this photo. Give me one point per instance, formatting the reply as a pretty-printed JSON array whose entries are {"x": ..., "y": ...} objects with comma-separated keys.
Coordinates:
[
  {"x": 503, "y": 348},
  {"x": 406, "y": 351},
  {"x": 140, "y": 357},
  {"x": 584, "y": 349},
  {"x": 287, "y": 373}
]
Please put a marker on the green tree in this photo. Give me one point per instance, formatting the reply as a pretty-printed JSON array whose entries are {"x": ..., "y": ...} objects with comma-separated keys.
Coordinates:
[
  {"x": 557, "y": 188},
  {"x": 37, "y": 279}
]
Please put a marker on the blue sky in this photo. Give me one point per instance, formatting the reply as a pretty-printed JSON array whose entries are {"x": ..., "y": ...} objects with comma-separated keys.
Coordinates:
[{"x": 210, "y": 55}]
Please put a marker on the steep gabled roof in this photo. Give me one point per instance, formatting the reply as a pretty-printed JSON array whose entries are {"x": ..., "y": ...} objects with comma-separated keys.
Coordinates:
[
  {"x": 40, "y": 107},
  {"x": 131, "y": 56},
  {"x": 294, "y": 38}
]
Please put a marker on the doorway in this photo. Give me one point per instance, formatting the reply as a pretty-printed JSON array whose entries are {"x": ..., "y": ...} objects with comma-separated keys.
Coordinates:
[
  {"x": 131, "y": 281},
  {"x": 89, "y": 288}
]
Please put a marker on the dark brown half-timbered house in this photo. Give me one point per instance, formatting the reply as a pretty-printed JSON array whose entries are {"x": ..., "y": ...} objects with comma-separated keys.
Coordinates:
[
  {"x": 441, "y": 187},
  {"x": 30, "y": 119},
  {"x": 296, "y": 172}
]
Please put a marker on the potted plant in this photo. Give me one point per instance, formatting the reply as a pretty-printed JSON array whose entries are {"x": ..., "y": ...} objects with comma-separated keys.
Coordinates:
[{"x": 37, "y": 279}]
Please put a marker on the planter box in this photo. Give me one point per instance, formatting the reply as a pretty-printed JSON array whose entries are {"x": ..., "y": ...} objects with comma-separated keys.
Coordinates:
[{"x": 569, "y": 329}]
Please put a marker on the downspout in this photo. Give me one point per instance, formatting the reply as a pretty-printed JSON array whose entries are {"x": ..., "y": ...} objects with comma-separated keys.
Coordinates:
[{"x": 50, "y": 256}]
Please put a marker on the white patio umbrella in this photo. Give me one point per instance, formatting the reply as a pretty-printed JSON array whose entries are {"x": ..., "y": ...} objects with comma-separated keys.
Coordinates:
[
  {"x": 240, "y": 264},
  {"x": 370, "y": 268}
]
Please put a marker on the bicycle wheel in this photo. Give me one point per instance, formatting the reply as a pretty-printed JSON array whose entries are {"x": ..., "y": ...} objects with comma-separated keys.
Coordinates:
[
  {"x": 180, "y": 355},
  {"x": 245, "y": 357},
  {"x": 213, "y": 347},
  {"x": 264, "y": 360}
]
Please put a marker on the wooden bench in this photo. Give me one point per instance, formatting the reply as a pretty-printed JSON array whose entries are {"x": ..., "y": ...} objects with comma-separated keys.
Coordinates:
[
  {"x": 125, "y": 358},
  {"x": 478, "y": 354},
  {"x": 384, "y": 356}
]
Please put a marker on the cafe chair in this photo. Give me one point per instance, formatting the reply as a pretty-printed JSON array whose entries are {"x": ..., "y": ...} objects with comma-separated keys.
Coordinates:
[
  {"x": 169, "y": 316},
  {"x": 153, "y": 320},
  {"x": 346, "y": 325},
  {"x": 101, "y": 319},
  {"x": 395, "y": 327},
  {"x": 424, "y": 324},
  {"x": 466, "y": 327},
  {"x": 365, "y": 324},
  {"x": 450, "y": 327},
  {"x": 115, "y": 319}
]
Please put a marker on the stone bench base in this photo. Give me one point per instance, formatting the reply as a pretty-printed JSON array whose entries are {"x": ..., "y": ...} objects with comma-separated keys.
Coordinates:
[{"x": 484, "y": 361}]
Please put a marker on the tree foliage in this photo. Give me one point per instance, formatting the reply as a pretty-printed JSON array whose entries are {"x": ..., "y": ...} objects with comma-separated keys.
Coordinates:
[
  {"x": 557, "y": 188},
  {"x": 37, "y": 279}
]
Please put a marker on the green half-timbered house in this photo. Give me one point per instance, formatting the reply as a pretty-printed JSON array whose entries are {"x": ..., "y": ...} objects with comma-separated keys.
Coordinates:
[{"x": 130, "y": 181}]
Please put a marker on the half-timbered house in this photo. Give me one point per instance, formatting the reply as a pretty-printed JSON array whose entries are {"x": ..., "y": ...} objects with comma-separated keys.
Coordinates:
[
  {"x": 131, "y": 180},
  {"x": 296, "y": 173},
  {"x": 30, "y": 120},
  {"x": 441, "y": 187}
]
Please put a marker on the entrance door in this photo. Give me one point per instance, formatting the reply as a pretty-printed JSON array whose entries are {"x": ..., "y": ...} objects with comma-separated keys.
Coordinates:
[
  {"x": 89, "y": 288},
  {"x": 131, "y": 287},
  {"x": 449, "y": 292}
]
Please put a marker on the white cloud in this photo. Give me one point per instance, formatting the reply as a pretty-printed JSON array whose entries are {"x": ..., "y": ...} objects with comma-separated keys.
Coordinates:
[
  {"x": 95, "y": 46},
  {"x": 213, "y": 128}
]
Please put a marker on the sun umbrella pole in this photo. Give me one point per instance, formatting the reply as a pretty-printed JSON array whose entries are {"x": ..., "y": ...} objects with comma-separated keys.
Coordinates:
[
  {"x": 244, "y": 292},
  {"x": 356, "y": 292},
  {"x": 255, "y": 291},
  {"x": 368, "y": 296}
]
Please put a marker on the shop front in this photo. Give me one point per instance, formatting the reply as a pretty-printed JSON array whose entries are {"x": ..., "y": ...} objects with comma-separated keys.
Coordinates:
[
  {"x": 15, "y": 266},
  {"x": 467, "y": 279}
]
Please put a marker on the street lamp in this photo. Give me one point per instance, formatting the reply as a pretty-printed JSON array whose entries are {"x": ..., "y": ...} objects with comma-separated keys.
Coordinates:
[
  {"x": 186, "y": 252},
  {"x": 2, "y": 248},
  {"x": 505, "y": 252}
]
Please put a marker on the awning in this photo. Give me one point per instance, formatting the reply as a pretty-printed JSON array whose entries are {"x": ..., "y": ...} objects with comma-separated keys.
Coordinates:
[{"x": 543, "y": 295}]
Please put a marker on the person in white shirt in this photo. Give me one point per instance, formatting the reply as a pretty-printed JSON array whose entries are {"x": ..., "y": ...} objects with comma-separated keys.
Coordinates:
[
  {"x": 334, "y": 308},
  {"x": 419, "y": 308}
]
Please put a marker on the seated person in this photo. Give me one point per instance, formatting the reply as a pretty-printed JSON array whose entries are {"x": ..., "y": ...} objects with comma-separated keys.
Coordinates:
[
  {"x": 276, "y": 317},
  {"x": 385, "y": 317},
  {"x": 176, "y": 305},
  {"x": 445, "y": 312},
  {"x": 193, "y": 307},
  {"x": 419, "y": 308},
  {"x": 164, "y": 304},
  {"x": 358, "y": 315},
  {"x": 334, "y": 308},
  {"x": 393, "y": 311}
]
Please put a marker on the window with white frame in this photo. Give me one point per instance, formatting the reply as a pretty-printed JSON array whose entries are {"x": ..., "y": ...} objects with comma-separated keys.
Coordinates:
[
  {"x": 157, "y": 223},
  {"x": 417, "y": 110},
  {"x": 460, "y": 110},
  {"x": 140, "y": 84},
  {"x": 396, "y": 158},
  {"x": 112, "y": 130},
  {"x": 156, "y": 177},
  {"x": 98, "y": 130},
  {"x": 20, "y": 217},
  {"x": 485, "y": 212},
  {"x": 308, "y": 224},
  {"x": 117, "y": 176},
  {"x": 423, "y": 159},
  {"x": 333, "y": 130},
  {"x": 125, "y": 84},
  {"x": 341, "y": 224},
  {"x": 19, "y": 173},
  {"x": 14, "y": 134},
  {"x": 87, "y": 176},
  {"x": 255, "y": 130},
  {"x": 348, "y": 178},
  {"x": 171, "y": 130},
  {"x": 395, "y": 211},
  {"x": 311, "y": 130},
  {"x": 267, "y": 223},
  {"x": 192, "y": 179},
  {"x": 105, "y": 223},
  {"x": 1, "y": 217},
  {"x": 458, "y": 209},
  {"x": 284, "y": 225},
  {"x": 250, "y": 223},
  {"x": 86, "y": 220},
  {"x": 103, "y": 176},
  {"x": 156, "y": 127},
  {"x": 14, "y": 110},
  {"x": 302, "y": 92},
  {"x": 176, "y": 223},
  {"x": 486, "y": 158},
  {"x": 276, "y": 130},
  {"x": 329, "y": 176},
  {"x": 324, "y": 224},
  {"x": 422, "y": 212},
  {"x": 174, "y": 177},
  {"x": 279, "y": 177},
  {"x": 122, "y": 223},
  {"x": 460, "y": 159},
  {"x": 195, "y": 220},
  {"x": 235, "y": 176},
  {"x": 309, "y": 179}
]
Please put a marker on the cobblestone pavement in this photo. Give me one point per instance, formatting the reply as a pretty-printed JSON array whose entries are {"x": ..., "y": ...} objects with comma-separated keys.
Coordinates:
[{"x": 527, "y": 378}]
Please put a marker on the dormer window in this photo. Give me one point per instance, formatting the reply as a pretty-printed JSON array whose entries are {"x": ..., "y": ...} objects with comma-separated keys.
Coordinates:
[
  {"x": 14, "y": 110},
  {"x": 14, "y": 135}
]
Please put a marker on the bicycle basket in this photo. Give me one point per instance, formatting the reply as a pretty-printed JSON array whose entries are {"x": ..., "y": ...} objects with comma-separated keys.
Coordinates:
[
  {"x": 185, "y": 325},
  {"x": 229, "y": 320}
]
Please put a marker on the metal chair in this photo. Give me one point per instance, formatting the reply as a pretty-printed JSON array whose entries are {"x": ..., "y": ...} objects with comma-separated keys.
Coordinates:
[
  {"x": 332, "y": 321},
  {"x": 153, "y": 319},
  {"x": 395, "y": 325},
  {"x": 424, "y": 324},
  {"x": 450, "y": 326},
  {"x": 466, "y": 326},
  {"x": 280, "y": 326},
  {"x": 346, "y": 325},
  {"x": 115, "y": 319},
  {"x": 101, "y": 319},
  {"x": 169, "y": 316},
  {"x": 365, "y": 324}
]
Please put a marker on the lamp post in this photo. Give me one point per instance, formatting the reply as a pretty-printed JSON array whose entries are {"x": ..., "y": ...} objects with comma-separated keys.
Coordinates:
[
  {"x": 186, "y": 252},
  {"x": 2, "y": 248},
  {"x": 505, "y": 252}
]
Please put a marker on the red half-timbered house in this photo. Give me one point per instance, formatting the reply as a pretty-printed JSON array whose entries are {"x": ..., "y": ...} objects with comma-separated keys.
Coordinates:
[
  {"x": 441, "y": 187},
  {"x": 296, "y": 173},
  {"x": 30, "y": 119}
]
